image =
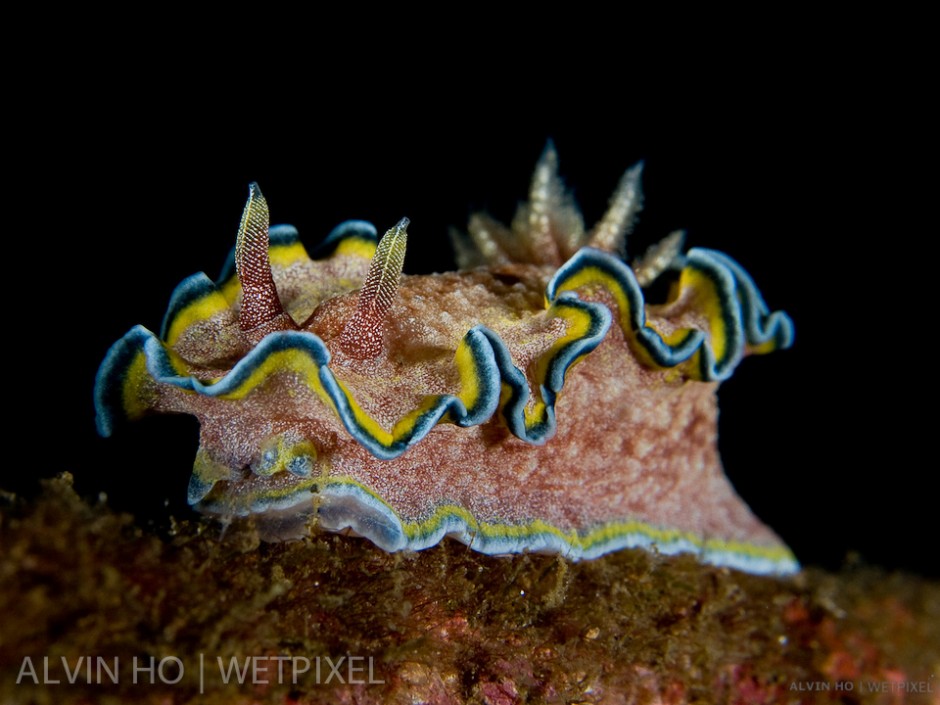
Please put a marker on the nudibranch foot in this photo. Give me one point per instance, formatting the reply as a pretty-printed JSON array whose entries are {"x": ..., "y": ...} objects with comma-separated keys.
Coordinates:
[{"x": 534, "y": 400}]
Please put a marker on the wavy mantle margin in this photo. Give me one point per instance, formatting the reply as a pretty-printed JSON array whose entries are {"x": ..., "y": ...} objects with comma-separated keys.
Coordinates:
[
  {"x": 343, "y": 504},
  {"x": 739, "y": 320}
]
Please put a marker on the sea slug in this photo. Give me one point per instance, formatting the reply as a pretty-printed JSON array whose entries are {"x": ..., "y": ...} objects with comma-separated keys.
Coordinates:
[{"x": 534, "y": 400}]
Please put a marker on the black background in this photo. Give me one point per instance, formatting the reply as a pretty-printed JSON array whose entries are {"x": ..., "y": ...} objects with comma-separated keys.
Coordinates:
[{"x": 128, "y": 185}]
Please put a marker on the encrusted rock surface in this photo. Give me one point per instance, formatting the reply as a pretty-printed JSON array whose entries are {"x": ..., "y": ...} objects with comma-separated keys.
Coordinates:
[{"x": 447, "y": 625}]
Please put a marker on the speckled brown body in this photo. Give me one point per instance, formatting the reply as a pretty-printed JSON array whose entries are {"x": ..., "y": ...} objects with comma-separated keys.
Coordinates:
[{"x": 649, "y": 444}]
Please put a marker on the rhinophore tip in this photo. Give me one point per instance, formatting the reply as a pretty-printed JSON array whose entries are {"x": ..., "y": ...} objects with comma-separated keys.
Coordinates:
[
  {"x": 362, "y": 336},
  {"x": 261, "y": 311}
]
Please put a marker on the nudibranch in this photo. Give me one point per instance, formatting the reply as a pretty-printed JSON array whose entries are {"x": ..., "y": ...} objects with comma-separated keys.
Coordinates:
[{"x": 533, "y": 400}]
